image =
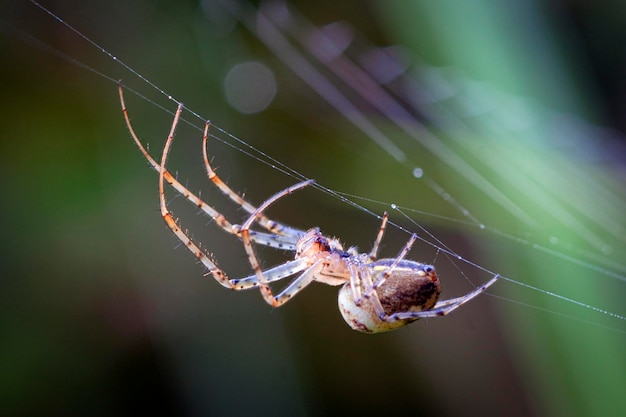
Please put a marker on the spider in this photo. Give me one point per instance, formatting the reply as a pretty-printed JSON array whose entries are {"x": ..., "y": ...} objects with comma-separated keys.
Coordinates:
[{"x": 377, "y": 295}]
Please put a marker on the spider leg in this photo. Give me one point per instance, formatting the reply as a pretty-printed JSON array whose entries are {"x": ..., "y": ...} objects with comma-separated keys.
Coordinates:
[
  {"x": 400, "y": 257},
  {"x": 283, "y": 271},
  {"x": 271, "y": 275},
  {"x": 214, "y": 214},
  {"x": 374, "y": 253},
  {"x": 370, "y": 290},
  {"x": 443, "y": 307},
  {"x": 362, "y": 289},
  {"x": 217, "y": 273},
  {"x": 298, "y": 284},
  {"x": 287, "y": 242},
  {"x": 265, "y": 289},
  {"x": 272, "y": 226},
  {"x": 356, "y": 282}
]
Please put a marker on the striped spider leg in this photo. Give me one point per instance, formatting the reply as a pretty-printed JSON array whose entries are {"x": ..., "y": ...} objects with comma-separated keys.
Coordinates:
[
  {"x": 280, "y": 236},
  {"x": 273, "y": 227}
]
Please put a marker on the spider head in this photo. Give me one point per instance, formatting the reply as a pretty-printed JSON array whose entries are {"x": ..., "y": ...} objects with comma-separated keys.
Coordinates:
[
  {"x": 314, "y": 242},
  {"x": 411, "y": 286}
]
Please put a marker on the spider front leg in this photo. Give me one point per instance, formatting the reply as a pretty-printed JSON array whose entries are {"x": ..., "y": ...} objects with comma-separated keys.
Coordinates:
[
  {"x": 272, "y": 226},
  {"x": 307, "y": 276},
  {"x": 216, "y": 272},
  {"x": 219, "y": 219},
  {"x": 283, "y": 241}
]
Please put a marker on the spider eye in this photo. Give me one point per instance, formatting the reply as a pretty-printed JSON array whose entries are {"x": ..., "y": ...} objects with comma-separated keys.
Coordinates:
[
  {"x": 428, "y": 268},
  {"x": 323, "y": 242}
]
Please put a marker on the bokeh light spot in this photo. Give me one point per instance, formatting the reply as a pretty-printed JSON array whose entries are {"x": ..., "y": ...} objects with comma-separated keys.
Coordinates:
[{"x": 250, "y": 87}]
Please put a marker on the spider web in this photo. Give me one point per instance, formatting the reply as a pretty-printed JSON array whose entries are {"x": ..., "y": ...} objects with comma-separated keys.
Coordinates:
[
  {"x": 517, "y": 163},
  {"x": 525, "y": 160}
]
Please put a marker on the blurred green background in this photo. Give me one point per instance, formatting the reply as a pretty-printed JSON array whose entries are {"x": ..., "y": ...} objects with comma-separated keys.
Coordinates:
[{"x": 99, "y": 315}]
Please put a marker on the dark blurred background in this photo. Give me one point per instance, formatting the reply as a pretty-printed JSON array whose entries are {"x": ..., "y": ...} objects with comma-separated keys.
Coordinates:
[{"x": 99, "y": 315}]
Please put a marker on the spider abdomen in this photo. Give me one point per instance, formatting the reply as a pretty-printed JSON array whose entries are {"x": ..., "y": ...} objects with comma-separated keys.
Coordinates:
[
  {"x": 411, "y": 286},
  {"x": 408, "y": 288}
]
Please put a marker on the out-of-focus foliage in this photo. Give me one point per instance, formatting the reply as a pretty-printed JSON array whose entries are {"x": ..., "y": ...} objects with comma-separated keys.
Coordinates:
[{"x": 99, "y": 314}]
